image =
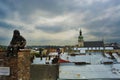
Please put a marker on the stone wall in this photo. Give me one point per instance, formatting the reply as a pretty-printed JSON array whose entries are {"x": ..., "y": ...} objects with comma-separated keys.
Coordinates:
[
  {"x": 24, "y": 65},
  {"x": 9, "y": 62},
  {"x": 44, "y": 71},
  {"x": 19, "y": 66},
  {"x": 22, "y": 69}
]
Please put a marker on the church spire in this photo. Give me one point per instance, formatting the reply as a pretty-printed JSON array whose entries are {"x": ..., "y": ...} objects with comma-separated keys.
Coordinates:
[
  {"x": 80, "y": 32},
  {"x": 80, "y": 39}
]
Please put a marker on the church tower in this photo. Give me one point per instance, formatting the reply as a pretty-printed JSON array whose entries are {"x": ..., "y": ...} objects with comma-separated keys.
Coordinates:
[{"x": 80, "y": 39}]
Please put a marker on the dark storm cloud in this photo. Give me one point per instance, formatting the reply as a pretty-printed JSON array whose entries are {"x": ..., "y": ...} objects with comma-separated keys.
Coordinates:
[
  {"x": 50, "y": 29},
  {"x": 105, "y": 27},
  {"x": 6, "y": 8},
  {"x": 2, "y": 14},
  {"x": 99, "y": 17},
  {"x": 101, "y": 28},
  {"x": 27, "y": 7},
  {"x": 6, "y": 25},
  {"x": 3, "y": 38}
]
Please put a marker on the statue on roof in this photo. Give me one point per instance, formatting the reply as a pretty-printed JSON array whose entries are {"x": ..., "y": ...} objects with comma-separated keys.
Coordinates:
[{"x": 17, "y": 42}]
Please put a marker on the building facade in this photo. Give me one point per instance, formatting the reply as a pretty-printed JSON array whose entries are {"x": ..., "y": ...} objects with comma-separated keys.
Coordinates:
[
  {"x": 90, "y": 46},
  {"x": 80, "y": 40}
]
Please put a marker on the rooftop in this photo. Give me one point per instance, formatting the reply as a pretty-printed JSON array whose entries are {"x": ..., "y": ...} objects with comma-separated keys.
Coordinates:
[{"x": 93, "y": 44}]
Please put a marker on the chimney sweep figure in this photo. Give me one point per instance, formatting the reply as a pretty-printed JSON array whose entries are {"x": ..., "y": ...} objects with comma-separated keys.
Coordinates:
[{"x": 17, "y": 42}]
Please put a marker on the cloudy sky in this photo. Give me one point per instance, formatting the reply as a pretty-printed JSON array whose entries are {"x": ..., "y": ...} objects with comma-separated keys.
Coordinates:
[{"x": 57, "y": 22}]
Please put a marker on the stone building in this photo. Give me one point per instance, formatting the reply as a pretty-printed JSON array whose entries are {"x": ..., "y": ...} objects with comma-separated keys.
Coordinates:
[
  {"x": 90, "y": 46},
  {"x": 80, "y": 40}
]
